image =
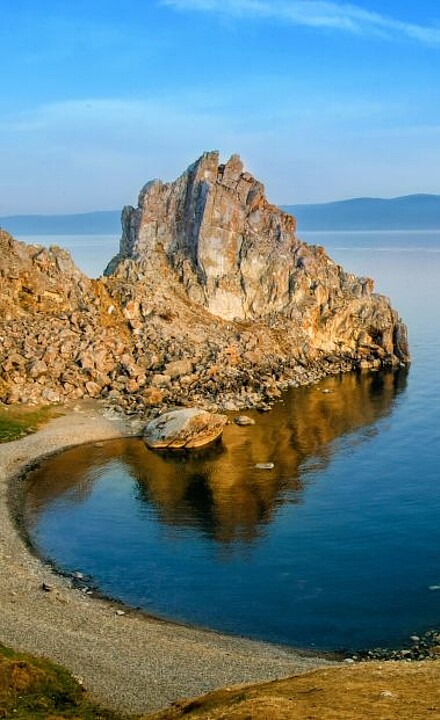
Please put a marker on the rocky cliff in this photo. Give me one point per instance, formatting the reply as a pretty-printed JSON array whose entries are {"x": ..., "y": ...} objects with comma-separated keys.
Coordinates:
[
  {"x": 212, "y": 299},
  {"x": 238, "y": 256}
]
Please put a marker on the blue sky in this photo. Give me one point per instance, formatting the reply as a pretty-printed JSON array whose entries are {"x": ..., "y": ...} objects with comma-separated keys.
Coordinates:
[{"x": 322, "y": 99}]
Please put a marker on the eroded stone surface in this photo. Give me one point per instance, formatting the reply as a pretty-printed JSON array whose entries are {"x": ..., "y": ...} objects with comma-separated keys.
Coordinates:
[
  {"x": 187, "y": 429},
  {"x": 238, "y": 256}
]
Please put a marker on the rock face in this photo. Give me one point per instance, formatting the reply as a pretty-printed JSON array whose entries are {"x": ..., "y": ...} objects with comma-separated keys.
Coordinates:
[
  {"x": 184, "y": 429},
  {"x": 238, "y": 256},
  {"x": 212, "y": 301},
  {"x": 228, "y": 246}
]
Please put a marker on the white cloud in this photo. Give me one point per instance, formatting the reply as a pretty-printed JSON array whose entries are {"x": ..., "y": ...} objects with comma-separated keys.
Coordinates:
[{"x": 344, "y": 17}]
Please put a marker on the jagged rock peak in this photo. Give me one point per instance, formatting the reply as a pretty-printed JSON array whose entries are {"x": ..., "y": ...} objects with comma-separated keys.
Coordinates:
[
  {"x": 218, "y": 232},
  {"x": 213, "y": 234}
]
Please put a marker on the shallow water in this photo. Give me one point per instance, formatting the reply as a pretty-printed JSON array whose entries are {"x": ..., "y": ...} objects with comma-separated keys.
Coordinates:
[{"x": 336, "y": 547}]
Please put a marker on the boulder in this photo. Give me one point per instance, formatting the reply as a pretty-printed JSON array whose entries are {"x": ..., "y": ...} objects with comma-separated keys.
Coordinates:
[
  {"x": 244, "y": 420},
  {"x": 184, "y": 429},
  {"x": 178, "y": 368}
]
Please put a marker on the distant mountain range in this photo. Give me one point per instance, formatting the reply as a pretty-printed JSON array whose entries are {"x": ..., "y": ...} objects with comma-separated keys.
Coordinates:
[{"x": 412, "y": 212}]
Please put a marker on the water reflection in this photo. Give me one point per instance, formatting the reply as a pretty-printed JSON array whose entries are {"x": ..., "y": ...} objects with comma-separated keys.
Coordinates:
[{"x": 219, "y": 492}]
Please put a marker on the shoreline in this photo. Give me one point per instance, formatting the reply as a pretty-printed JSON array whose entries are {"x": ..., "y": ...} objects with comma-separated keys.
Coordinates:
[{"x": 133, "y": 662}]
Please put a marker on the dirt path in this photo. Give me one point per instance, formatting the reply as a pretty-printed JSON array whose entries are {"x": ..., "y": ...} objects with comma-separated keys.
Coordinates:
[{"x": 128, "y": 662}]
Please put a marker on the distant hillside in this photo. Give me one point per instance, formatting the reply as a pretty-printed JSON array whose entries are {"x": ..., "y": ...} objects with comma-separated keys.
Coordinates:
[
  {"x": 104, "y": 222},
  {"x": 412, "y": 212}
]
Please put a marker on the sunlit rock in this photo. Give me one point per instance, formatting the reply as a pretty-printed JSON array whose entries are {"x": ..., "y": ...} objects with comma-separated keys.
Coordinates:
[
  {"x": 184, "y": 429},
  {"x": 212, "y": 301},
  {"x": 214, "y": 233}
]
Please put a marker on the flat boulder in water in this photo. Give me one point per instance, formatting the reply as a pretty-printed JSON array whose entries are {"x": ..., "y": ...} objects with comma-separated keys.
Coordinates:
[
  {"x": 244, "y": 420},
  {"x": 184, "y": 429}
]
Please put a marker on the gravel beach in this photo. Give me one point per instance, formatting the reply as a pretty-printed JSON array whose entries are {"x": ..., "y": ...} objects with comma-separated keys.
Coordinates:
[{"x": 129, "y": 662}]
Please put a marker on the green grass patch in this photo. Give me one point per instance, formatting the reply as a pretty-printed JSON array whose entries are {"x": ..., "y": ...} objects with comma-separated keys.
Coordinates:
[
  {"x": 16, "y": 422},
  {"x": 33, "y": 688}
]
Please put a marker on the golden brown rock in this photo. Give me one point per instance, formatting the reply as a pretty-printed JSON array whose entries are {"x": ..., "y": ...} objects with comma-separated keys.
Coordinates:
[
  {"x": 212, "y": 302},
  {"x": 184, "y": 429},
  {"x": 213, "y": 232}
]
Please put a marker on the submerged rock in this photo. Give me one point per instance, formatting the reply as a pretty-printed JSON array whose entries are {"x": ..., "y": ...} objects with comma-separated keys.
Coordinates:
[{"x": 184, "y": 429}]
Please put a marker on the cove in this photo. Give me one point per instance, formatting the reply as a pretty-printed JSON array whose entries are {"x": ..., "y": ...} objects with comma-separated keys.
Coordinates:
[
  {"x": 324, "y": 551},
  {"x": 337, "y": 547}
]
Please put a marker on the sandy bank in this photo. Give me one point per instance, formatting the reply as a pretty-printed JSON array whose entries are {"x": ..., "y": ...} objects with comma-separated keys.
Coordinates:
[{"x": 129, "y": 662}]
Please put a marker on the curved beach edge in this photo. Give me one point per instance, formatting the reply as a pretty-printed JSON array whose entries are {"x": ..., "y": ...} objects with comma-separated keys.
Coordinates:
[{"x": 129, "y": 662}]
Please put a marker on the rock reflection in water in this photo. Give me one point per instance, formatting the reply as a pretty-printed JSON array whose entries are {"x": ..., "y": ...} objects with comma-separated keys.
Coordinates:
[{"x": 219, "y": 491}]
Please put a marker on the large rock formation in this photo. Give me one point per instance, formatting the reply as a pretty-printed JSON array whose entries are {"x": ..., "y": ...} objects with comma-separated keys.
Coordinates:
[
  {"x": 212, "y": 301},
  {"x": 238, "y": 256}
]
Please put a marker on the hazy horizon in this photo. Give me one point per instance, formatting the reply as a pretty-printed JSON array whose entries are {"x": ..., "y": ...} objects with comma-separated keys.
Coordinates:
[{"x": 288, "y": 205}]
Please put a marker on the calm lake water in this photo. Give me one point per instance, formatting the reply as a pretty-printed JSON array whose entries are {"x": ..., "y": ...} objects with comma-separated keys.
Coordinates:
[
  {"x": 337, "y": 547},
  {"x": 90, "y": 252}
]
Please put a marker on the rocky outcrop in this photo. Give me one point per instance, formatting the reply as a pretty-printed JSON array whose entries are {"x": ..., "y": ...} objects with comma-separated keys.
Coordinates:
[
  {"x": 61, "y": 336},
  {"x": 238, "y": 256},
  {"x": 212, "y": 301}
]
